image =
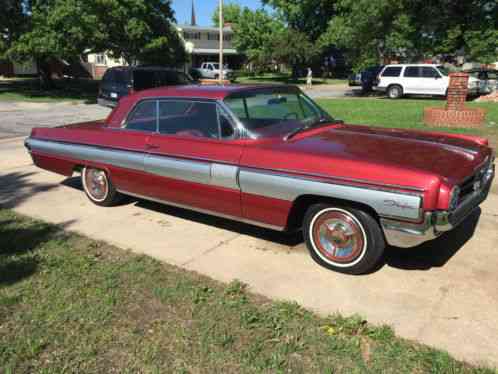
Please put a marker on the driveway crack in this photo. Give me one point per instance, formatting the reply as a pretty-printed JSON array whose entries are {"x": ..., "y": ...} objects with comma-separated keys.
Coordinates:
[{"x": 209, "y": 250}]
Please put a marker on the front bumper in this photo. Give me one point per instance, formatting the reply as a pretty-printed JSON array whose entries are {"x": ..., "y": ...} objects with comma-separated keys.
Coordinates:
[{"x": 407, "y": 234}]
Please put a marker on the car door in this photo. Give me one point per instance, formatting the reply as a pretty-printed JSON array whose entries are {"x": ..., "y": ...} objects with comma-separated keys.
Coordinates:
[
  {"x": 411, "y": 80},
  {"x": 193, "y": 159},
  {"x": 125, "y": 147},
  {"x": 431, "y": 81}
]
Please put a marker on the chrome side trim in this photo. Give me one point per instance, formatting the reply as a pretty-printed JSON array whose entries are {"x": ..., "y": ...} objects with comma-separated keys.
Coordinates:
[
  {"x": 206, "y": 211},
  {"x": 285, "y": 187},
  {"x": 225, "y": 176},
  {"x": 124, "y": 159},
  {"x": 190, "y": 171}
]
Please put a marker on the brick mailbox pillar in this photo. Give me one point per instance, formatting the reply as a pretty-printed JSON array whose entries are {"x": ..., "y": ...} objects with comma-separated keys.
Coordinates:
[{"x": 455, "y": 114}]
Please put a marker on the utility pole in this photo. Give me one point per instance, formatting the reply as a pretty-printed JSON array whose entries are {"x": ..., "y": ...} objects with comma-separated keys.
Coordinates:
[{"x": 221, "y": 77}]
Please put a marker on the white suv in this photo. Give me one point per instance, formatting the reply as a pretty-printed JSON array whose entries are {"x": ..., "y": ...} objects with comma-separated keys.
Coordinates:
[{"x": 417, "y": 79}]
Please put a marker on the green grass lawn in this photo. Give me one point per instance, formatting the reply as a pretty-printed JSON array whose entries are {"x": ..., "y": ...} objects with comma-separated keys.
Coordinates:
[
  {"x": 405, "y": 113},
  {"x": 29, "y": 90},
  {"x": 72, "y": 304},
  {"x": 285, "y": 78}
]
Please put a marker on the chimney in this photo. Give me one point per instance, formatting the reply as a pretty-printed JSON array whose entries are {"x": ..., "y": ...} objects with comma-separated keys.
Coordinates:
[{"x": 193, "y": 20}]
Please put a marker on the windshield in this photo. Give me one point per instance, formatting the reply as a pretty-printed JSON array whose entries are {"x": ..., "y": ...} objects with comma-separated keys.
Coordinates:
[
  {"x": 443, "y": 70},
  {"x": 275, "y": 111}
]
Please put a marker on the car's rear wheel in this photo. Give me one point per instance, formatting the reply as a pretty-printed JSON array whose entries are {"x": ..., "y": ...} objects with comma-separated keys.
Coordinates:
[
  {"x": 395, "y": 91},
  {"x": 98, "y": 187},
  {"x": 343, "y": 239}
]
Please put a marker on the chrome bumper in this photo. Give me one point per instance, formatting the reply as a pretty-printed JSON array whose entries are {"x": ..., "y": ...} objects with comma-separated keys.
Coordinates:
[{"x": 407, "y": 234}]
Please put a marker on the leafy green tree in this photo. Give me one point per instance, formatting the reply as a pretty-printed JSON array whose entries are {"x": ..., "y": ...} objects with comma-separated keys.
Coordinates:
[
  {"x": 310, "y": 17},
  {"x": 13, "y": 22},
  {"x": 137, "y": 30},
  {"x": 231, "y": 14},
  {"x": 254, "y": 33},
  {"x": 292, "y": 48}
]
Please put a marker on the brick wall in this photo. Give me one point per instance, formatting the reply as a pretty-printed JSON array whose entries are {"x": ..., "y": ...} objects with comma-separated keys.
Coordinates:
[{"x": 457, "y": 91}]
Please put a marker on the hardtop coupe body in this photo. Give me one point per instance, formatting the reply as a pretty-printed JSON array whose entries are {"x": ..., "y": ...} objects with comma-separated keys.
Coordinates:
[{"x": 268, "y": 155}]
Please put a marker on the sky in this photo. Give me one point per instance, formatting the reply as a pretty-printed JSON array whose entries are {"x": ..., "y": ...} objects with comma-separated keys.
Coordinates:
[{"x": 204, "y": 9}]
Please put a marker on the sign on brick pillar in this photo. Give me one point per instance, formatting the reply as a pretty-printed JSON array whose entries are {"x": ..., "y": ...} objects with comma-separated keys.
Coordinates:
[{"x": 457, "y": 91}]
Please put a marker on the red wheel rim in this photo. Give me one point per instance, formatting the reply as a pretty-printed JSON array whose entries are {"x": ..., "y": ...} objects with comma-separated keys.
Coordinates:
[
  {"x": 338, "y": 236},
  {"x": 96, "y": 184}
]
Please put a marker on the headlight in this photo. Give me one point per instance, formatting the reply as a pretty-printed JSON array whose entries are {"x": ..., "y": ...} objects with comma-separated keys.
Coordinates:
[{"x": 454, "y": 195}]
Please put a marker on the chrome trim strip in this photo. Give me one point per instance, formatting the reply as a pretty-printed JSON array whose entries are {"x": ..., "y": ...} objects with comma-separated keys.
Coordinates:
[
  {"x": 286, "y": 187},
  {"x": 206, "y": 211},
  {"x": 190, "y": 171},
  {"x": 124, "y": 159},
  {"x": 407, "y": 206},
  {"x": 372, "y": 184}
]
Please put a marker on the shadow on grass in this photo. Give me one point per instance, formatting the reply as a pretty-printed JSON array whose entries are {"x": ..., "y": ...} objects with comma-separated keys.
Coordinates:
[
  {"x": 19, "y": 244},
  {"x": 85, "y": 90},
  {"x": 16, "y": 187},
  {"x": 278, "y": 79}
]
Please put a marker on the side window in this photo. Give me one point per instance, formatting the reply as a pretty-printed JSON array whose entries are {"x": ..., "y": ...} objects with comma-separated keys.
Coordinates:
[
  {"x": 392, "y": 71},
  {"x": 428, "y": 72},
  {"x": 143, "y": 117},
  {"x": 189, "y": 118},
  {"x": 226, "y": 127},
  {"x": 411, "y": 72},
  {"x": 237, "y": 106},
  {"x": 143, "y": 79},
  {"x": 108, "y": 76}
]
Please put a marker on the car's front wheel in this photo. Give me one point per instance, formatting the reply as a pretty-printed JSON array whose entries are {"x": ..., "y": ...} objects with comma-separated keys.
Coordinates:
[
  {"x": 395, "y": 92},
  {"x": 98, "y": 187},
  {"x": 343, "y": 239}
]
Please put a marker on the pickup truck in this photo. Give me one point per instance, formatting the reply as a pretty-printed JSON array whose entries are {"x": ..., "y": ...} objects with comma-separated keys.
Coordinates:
[{"x": 211, "y": 70}]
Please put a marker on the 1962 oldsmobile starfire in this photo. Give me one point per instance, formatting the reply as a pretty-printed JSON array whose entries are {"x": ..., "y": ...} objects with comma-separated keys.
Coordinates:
[{"x": 270, "y": 156}]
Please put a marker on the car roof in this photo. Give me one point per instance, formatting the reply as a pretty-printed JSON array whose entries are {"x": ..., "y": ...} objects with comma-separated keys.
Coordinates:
[
  {"x": 144, "y": 67},
  {"x": 401, "y": 65},
  {"x": 216, "y": 92}
]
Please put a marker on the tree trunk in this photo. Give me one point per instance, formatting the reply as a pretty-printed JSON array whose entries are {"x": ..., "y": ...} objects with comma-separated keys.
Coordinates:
[{"x": 45, "y": 74}]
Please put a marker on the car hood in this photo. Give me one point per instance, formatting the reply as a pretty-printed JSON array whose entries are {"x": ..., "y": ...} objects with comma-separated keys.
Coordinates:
[{"x": 443, "y": 155}]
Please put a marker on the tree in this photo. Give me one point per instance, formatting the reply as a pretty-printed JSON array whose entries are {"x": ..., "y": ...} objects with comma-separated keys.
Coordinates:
[
  {"x": 309, "y": 17},
  {"x": 137, "y": 30},
  {"x": 292, "y": 48},
  {"x": 254, "y": 32},
  {"x": 231, "y": 14},
  {"x": 372, "y": 31},
  {"x": 13, "y": 22}
]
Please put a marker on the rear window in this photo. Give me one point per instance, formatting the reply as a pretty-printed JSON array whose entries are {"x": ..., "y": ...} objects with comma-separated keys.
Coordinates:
[
  {"x": 429, "y": 72},
  {"x": 172, "y": 78},
  {"x": 393, "y": 71}
]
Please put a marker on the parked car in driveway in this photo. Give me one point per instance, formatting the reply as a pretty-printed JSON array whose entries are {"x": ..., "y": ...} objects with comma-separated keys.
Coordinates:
[
  {"x": 211, "y": 70},
  {"x": 365, "y": 78},
  {"x": 270, "y": 156},
  {"x": 123, "y": 80},
  {"x": 488, "y": 79},
  {"x": 417, "y": 79}
]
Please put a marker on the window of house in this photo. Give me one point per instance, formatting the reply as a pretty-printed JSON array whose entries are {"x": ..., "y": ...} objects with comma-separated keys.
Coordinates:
[
  {"x": 392, "y": 71},
  {"x": 100, "y": 59},
  {"x": 143, "y": 117}
]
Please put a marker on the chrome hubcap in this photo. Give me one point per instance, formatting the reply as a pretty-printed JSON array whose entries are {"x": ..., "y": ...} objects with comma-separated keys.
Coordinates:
[
  {"x": 338, "y": 237},
  {"x": 96, "y": 182}
]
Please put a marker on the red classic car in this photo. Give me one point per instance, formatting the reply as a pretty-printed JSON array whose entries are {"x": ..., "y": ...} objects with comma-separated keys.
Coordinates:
[{"x": 270, "y": 156}]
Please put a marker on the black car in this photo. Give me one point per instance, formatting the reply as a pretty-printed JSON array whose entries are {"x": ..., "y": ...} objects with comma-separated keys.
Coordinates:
[
  {"x": 366, "y": 78},
  {"x": 123, "y": 80}
]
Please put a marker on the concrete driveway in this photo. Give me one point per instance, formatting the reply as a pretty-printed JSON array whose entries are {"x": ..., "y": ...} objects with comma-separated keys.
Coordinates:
[{"x": 444, "y": 293}]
